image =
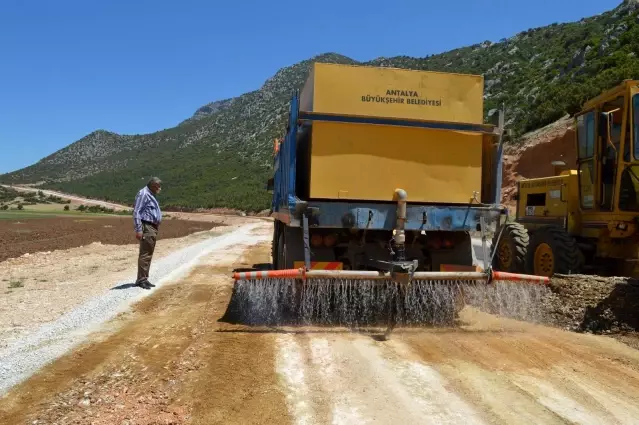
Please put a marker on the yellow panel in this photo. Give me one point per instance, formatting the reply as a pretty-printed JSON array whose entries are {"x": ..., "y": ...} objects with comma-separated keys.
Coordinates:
[
  {"x": 394, "y": 93},
  {"x": 368, "y": 162},
  {"x": 561, "y": 195}
]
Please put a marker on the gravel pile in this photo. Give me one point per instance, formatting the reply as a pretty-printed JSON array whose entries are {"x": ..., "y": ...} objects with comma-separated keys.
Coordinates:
[{"x": 602, "y": 305}]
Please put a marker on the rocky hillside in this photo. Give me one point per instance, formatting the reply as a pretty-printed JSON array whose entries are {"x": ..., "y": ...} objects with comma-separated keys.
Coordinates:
[{"x": 221, "y": 156}]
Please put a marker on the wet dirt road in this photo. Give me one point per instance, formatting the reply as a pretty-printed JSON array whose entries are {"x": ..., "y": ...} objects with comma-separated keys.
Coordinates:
[{"x": 169, "y": 361}]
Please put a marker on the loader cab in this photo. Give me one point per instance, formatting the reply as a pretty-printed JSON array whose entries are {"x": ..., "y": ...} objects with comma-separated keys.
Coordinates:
[
  {"x": 608, "y": 153},
  {"x": 629, "y": 193}
]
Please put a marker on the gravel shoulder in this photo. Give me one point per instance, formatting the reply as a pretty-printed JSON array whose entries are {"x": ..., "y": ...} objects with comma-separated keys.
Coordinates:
[
  {"x": 42, "y": 286},
  {"x": 23, "y": 355}
]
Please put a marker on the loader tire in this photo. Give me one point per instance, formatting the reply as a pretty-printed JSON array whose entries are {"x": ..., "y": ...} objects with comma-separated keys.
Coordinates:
[
  {"x": 552, "y": 250},
  {"x": 512, "y": 250}
]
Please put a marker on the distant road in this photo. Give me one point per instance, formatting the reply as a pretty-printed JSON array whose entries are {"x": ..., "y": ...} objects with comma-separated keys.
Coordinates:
[{"x": 82, "y": 200}]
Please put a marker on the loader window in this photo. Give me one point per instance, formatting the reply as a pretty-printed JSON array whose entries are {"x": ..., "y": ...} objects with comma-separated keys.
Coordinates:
[
  {"x": 610, "y": 121},
  {"x": 587, "y": 184},
  {"x": 536, "y": 199},
  {"x": 586, "y": 136},
  {"x": 629, "y": 190}
]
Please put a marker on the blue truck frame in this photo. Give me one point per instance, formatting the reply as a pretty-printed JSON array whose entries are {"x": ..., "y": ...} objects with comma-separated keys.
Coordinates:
[{"x": 289, "y": 210}]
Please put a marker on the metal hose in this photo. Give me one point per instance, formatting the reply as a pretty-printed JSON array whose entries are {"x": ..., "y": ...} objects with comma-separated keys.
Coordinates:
[{"x": 400, "y": 235}]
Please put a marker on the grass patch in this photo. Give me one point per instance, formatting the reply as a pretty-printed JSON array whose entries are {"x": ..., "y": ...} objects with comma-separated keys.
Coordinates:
[
  {"x": 16, "y": 284},
  {"x": 100, "y": 209}
]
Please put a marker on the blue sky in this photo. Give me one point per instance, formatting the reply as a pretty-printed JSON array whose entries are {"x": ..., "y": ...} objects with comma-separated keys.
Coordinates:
[{"x": 69, "y": 67}]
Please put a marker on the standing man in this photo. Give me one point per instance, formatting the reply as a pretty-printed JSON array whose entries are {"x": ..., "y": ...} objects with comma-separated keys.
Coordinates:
[{"x": 146, "y": 221}]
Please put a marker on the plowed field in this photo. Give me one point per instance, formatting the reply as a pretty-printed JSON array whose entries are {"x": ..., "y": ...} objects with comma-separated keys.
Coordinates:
[{"x": 18, "y": 237}]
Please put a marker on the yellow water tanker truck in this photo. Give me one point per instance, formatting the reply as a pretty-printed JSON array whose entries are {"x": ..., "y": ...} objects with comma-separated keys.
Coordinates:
[{"x": 380, "y": 178}]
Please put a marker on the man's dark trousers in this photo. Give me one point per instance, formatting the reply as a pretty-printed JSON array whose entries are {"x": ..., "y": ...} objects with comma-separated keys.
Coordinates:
[{"x": 147, "y": 246}]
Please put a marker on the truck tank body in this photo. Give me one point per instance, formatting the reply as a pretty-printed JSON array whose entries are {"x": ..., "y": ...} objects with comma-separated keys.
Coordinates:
[
  {"x": 344, "y": 157},
  {"x": 368, "y": 162},
  {"x": 393, "y": 93}
]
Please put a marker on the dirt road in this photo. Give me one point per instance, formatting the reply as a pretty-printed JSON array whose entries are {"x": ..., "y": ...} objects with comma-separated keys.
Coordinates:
[
  {"x": 75, "y": 198},
  {"x": 169, "y": 360}
]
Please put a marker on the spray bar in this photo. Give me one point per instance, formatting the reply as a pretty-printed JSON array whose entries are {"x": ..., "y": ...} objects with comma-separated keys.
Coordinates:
[{"x": 374, "y": 275}]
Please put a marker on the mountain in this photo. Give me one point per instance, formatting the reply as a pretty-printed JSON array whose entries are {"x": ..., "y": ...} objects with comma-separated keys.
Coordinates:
[{"x": 221, "y": 156}]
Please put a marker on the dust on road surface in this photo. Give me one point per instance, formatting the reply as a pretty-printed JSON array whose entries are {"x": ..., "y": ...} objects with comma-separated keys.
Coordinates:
[{"x": 170, "y": 361}]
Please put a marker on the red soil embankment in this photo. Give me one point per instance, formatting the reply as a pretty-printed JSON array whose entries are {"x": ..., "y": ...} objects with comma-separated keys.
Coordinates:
[{"x": 533, "y": 155}]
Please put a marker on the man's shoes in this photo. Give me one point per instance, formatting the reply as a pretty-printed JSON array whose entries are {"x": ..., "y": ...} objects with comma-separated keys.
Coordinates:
[
  {"x": 149, "y": 283},
  {"x": 144, "y": 284}
]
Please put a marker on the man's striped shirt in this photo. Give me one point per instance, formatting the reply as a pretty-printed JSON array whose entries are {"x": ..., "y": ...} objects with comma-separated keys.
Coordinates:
[{"x": 146, "y": 209}]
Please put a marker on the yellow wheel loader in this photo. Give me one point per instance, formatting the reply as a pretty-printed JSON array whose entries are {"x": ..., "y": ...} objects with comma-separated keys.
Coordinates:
[{"x": 583, "y": 220}]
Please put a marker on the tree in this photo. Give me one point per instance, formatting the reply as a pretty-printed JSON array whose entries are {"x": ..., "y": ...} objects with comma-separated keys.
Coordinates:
[{"x": 66, "y": 208}]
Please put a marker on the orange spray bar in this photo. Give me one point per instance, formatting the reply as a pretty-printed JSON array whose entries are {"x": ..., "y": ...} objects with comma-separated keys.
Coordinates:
[
  {"x": 515, "y": 277},
  {"x": 373, "y": 275}
]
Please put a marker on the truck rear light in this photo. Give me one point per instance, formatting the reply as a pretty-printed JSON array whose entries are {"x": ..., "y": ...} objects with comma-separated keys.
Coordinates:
[
  {"x": 316, "y": 240},
  {"x": 330, "y": 240},
  {"x": 435, "y": 243}
]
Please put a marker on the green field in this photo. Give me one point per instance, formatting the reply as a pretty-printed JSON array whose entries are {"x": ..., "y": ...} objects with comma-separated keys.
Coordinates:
[{"x": 26, "y": 214}]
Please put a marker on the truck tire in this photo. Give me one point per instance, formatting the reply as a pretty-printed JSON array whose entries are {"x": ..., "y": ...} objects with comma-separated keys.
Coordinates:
[
  {"x": 290, "y": 247},
  {"x": 512, "y": 250},
  {"x": 552, "y": 250},
  {"x": 274, "y": 244}
]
